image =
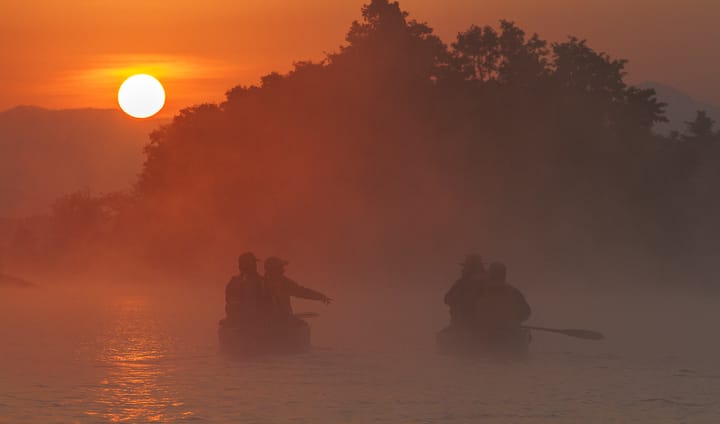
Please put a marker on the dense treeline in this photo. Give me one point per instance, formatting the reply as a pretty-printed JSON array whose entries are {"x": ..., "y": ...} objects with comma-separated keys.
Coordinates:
[{"x": 398, "y": 146}]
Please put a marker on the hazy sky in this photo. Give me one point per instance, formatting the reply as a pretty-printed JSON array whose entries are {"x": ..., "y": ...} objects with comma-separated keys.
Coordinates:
[{"x": 75, "y": 53}]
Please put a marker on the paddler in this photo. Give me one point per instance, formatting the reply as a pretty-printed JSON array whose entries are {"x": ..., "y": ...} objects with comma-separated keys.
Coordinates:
[
  {"x": 281, "y": 288},
  {"x": 247, "y": 302}
]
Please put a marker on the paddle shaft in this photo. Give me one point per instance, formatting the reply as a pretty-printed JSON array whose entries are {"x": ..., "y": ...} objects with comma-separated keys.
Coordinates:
[{"x": 577, "y": 333}]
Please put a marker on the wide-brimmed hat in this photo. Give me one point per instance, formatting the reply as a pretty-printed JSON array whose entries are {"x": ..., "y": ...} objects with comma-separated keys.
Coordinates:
[{"x": 273, "y": 262}]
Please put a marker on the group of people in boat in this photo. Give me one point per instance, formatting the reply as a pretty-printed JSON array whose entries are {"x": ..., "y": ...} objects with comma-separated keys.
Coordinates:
[
  {"x": 262, "y": 302},
  {"x": 482, "y": 304}
]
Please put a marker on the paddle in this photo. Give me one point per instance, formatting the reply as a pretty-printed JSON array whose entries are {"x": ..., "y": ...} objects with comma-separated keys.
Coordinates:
[
  {"x": 580, "y": 334},
  {"x": 307, "y": 314}
]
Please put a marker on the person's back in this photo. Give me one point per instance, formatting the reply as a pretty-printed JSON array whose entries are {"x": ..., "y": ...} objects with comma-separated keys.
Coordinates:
[
  {"x": 499, "y": 306},
  {"x": 246, "y": 300},
  {"x": 242, "y": 297}
]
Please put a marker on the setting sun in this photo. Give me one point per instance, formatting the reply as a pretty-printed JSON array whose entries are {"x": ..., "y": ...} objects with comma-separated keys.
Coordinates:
[{"x": 141, "y": 96}]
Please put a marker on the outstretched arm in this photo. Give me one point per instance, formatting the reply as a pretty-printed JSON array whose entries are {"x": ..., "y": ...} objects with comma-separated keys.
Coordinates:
[{"x": 296, "y": 290}]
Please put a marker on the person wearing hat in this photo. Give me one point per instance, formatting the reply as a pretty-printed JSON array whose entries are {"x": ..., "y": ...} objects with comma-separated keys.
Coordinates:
[
  {"x": 246, "y": 300},
  {"x": 461, "y": 298},
  {"x": 281, "y": 288}
]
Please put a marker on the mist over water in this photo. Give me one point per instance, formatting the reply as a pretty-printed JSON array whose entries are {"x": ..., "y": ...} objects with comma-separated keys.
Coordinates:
[{"x": 102, "y": 354}]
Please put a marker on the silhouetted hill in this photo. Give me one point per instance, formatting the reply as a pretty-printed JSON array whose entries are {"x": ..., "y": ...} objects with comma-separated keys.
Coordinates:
[
  {"x": 681, "y": 107},
  {"x": 47, "y": 153}
]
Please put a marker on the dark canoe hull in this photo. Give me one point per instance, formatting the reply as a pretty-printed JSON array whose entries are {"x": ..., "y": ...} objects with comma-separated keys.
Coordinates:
[
  {"x": 290, "y": 339},
  {"x": 467, "y": 342}
]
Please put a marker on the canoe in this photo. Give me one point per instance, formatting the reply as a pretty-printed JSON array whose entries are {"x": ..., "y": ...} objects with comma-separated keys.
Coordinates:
[
  {"x": 514, "y": 342},
  {"x": 293, "y": 337}
]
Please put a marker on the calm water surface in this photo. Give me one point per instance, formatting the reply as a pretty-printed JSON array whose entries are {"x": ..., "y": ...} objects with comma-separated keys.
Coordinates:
[{"x": 154, "y": 358}]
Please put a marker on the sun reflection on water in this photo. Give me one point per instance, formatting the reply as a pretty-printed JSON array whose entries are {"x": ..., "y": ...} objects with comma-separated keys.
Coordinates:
[{"x": 137, "y": 386}]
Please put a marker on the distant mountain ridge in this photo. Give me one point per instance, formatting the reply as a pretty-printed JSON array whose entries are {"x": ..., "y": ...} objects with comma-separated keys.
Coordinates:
[
  {"x": 46, "y": 153},
  {"x": 681, "y": 107}
]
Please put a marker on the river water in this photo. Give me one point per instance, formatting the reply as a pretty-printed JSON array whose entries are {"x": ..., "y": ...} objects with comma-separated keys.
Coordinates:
[{"x": 75, "y": 355}]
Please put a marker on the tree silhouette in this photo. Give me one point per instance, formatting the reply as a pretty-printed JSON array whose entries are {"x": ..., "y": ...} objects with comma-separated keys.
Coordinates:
[
  {"x": 507, "y": 56},
  {"x": 397, "y": 146},
  {"x": 701, "y": 130}
]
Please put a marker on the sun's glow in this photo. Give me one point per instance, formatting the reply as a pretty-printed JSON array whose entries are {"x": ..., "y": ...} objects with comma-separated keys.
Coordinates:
[{"x": 141, "y": 96}]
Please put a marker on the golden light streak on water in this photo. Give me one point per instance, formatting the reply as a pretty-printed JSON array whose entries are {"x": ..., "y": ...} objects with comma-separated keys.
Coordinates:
[{"x": 137, "y": 384}]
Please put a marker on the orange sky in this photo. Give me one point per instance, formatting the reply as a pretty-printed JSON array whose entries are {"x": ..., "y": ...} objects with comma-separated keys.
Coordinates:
[{"x": 75, "y": 53}]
